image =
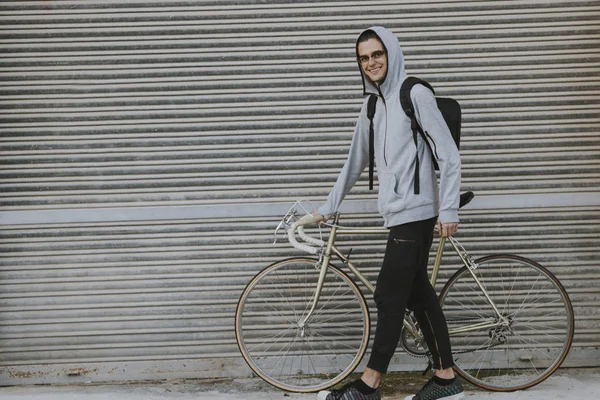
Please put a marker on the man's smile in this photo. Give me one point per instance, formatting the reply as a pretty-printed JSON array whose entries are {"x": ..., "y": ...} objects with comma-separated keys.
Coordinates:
[{"x": 373, "y": 60}]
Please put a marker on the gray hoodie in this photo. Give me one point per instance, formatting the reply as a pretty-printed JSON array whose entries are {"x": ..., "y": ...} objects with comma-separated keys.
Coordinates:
[{"x": 395, "y": 151}]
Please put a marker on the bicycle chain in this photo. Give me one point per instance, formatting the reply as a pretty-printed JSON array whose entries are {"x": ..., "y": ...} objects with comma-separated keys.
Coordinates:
[
  {"x": 425, "y": 355},
  {"x": 478, "y": 349}
]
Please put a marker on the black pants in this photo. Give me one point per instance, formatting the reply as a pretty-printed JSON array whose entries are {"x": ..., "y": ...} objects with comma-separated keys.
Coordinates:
[{"x": 403, "y": 283}]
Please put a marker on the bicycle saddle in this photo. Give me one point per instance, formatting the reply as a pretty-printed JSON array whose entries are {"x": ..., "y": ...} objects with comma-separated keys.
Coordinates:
[{"x": 465, "y": 198}]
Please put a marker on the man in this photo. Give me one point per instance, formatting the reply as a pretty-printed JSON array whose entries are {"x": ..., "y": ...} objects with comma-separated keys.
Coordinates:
[{"x": 403, "y": 280}]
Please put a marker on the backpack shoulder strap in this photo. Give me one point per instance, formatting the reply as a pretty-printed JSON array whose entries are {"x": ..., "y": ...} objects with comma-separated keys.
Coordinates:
[
  {"x": 409, "y": 110},
  {"x": 371, "y": 105},
  {"x": 405, "y": 89},
  {"x": 370, "y": 114}
]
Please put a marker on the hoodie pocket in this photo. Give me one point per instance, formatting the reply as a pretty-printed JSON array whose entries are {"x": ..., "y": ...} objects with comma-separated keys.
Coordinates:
[{"x": 390, "y": 201}]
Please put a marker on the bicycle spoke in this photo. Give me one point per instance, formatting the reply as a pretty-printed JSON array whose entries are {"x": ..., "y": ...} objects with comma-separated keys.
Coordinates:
[
  {"x": 343, "y": 344},
  {"x": 531, "y": 342},
  {"x": 471, "y": 308},
  {"x": 270, "y": 340},
  {"x": 515, "y": 279},
  {"x": 532, "y": 336},
  {"x": 526, "y": 297},
  {"x": 293, "y": 353}
]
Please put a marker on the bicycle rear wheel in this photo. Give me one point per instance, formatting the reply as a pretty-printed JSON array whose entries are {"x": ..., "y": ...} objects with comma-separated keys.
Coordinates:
[
  {"x": 305, "y": 358},
  {"x": 535, "y": 336}
]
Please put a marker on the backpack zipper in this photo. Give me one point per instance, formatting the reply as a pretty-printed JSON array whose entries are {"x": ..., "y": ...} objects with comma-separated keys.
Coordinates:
[{"x": 434, "y": 148}]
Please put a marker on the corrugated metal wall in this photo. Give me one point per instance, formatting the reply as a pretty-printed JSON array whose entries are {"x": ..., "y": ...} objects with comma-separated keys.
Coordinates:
[{"x": 148, "y": 147}]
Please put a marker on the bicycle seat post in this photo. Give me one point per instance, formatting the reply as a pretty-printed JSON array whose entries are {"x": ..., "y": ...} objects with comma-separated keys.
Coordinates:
[{"x": 438, "y": 261}]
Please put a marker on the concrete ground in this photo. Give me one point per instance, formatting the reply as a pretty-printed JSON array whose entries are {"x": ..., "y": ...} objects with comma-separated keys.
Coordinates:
[{"x": 571, "y": 384}]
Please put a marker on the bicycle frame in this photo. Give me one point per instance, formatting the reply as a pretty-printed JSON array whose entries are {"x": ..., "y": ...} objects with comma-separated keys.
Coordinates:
[
  {"x": 302, "y": 324},
  {"x": 331, "y": 249}
]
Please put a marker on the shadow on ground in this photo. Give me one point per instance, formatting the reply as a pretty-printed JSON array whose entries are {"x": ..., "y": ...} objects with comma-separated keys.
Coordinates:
[{"x": 396, "y": 385}]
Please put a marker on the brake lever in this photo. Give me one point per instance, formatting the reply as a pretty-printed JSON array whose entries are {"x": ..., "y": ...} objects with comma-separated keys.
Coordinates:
[
  {"x": 281, "y": 224},
  {"x": 286, "y": 222}
]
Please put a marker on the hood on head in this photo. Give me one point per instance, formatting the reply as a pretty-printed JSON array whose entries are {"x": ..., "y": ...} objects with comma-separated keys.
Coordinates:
[{"x": 395, "y": 69}]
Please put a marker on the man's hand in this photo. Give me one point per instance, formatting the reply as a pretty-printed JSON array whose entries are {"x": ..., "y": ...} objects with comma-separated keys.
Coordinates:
[
  {"x": 316, "y": 214},
  {"x": 447, "y": 229}
]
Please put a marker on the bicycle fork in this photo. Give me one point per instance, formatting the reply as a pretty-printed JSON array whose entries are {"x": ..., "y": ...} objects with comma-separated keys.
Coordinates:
[{"x": 324, "y": 261}]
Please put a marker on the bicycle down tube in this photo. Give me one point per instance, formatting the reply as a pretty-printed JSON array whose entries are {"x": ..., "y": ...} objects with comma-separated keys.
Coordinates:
[{"x": 324, "y": 260}]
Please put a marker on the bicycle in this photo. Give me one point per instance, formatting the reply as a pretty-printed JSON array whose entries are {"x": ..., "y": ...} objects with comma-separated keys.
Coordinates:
[{"x": 303, "y": 325}]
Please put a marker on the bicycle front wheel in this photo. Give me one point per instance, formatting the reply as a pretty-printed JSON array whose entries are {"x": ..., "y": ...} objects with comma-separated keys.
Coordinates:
[
  {"x": 531, "y": 338},
  {"x": 290, "y": 354}
]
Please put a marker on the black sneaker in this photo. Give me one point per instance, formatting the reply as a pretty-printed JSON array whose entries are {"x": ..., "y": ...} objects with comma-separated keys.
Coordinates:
[
  {"x": 348, "y": 392},
  {"x": 434, "y": 391}
]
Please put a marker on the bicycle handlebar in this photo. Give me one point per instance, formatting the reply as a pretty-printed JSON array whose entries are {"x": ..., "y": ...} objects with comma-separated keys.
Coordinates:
[
  {"x": 307, "y": 219},
  {"x": 298, "y": 225}
]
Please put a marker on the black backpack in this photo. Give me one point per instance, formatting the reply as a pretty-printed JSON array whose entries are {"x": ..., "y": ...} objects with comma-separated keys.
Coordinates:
[{"x": 449, "y": 108}]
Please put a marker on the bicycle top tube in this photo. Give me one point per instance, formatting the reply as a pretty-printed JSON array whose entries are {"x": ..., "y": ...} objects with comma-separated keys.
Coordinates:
[
  {"x": 350, "y": 230},
  {"x": 317, "y": 244},
  {"x": 465, "y": 198}
]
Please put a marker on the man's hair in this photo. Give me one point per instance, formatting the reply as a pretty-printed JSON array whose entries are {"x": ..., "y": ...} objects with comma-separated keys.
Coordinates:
[{"x": 368, "y": 35}]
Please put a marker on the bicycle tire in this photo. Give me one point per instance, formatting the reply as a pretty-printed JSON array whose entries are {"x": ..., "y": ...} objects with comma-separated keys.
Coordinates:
[
  {"x": 278, "y": 350},
  {"x": 541, "y": 329}
]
